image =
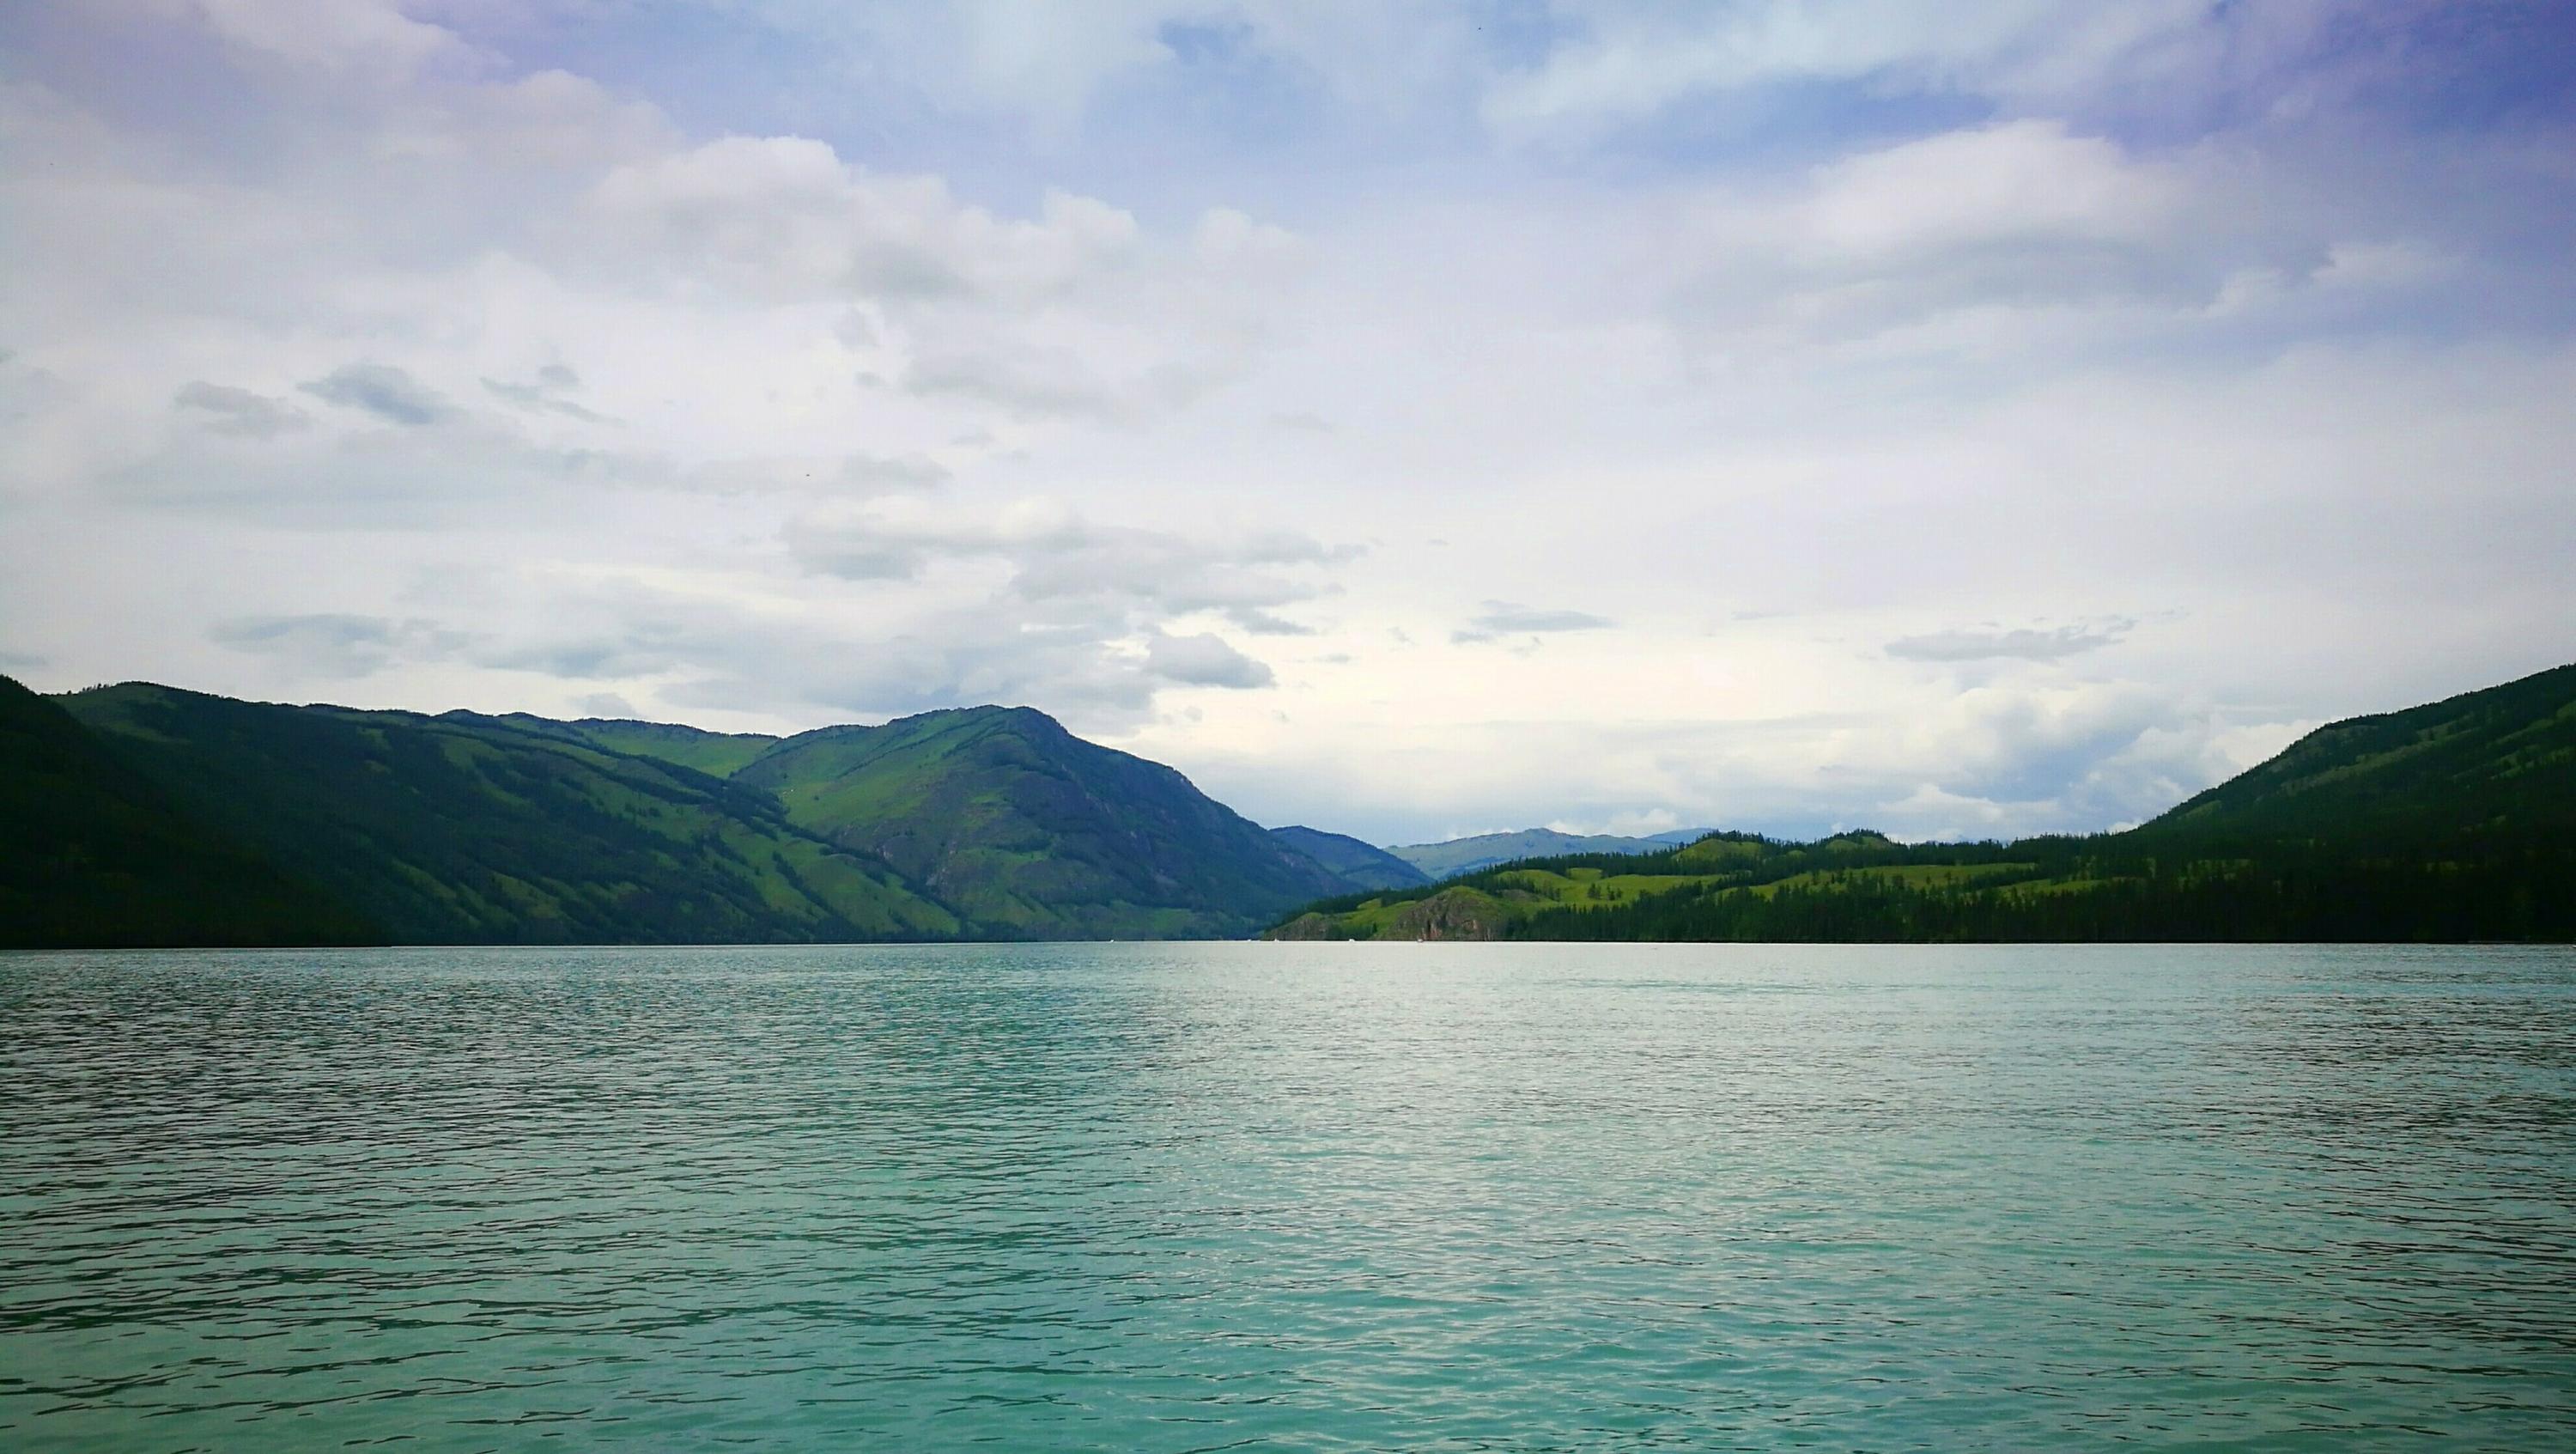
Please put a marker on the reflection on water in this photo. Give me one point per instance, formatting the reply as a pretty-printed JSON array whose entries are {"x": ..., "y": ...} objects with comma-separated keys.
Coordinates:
[{"x": 1191, "y": 1197}]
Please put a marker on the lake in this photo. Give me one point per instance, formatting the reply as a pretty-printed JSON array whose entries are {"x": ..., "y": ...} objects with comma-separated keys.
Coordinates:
[{"x": 1317, "y": 1196}]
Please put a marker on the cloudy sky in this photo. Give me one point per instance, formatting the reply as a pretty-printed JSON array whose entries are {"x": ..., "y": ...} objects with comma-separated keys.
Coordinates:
[{"x": 1405, "y": 418}]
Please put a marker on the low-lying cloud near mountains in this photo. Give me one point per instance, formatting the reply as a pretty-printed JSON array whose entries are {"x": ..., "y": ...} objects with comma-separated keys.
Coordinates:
[
  {"x": 1503, "y": 618},
  {"x": 2025, "y": 643}
]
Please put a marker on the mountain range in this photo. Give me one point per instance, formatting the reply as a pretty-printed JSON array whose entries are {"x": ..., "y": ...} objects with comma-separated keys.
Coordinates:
[
  {"x": 149, "y": 815},
  {"x": 2451, "y": 821},
  {"x": 384, "y": 826}
]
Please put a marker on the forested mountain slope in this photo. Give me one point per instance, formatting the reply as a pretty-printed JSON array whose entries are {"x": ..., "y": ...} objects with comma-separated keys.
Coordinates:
[
  {"x": 2502, "y": 760},
  {"x": 94, "y": 853},
  {"x": 1357, "y": 864},
  {"x": 484, "y": 831},
  {"x": 1030, "y": 831},
  {"x": 465, "y": 827}
]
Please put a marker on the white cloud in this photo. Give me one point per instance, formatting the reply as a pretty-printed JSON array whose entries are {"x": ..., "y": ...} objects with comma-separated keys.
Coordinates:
[
  {"x": 1051, "y": 68},
  {"x": 965, "y": 359},
  {"x": 606, "y": 704},
  {"x": 2018, "y": 181},
  {"x": 370, "y": 40},
  {"x": 1204, "y": 660},
  {"x": 384, "y": 391},
  {"x": 1632, "y": 59},
  {"x": 2024, "y": 643},
  {"x": 1506, "y": 618},
  {"x": 227, "y": 410},
  {"x": 1074, "y": 311},
  {"x": 2018, "y": 241},
  {"x": 327, "y": 645},
  {"x": 550, "y": 390},
  {"x": 1051, "y": 558},
  {"x": 1631, "y": 823}
]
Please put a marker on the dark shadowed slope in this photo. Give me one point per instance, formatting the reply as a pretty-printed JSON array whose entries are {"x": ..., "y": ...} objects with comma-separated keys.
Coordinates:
[
  {"x": 1032, "y": 832},
  {"x": 93, "y": 853},
  {"x": 480, "y": 831},
  {"x": 2497, "y": 761},
  {"x": 1358, "y": 865}
]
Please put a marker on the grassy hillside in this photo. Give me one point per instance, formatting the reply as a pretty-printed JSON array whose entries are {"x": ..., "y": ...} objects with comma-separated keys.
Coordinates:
[
  {"x": 717, "y": 754},
  {"x": 1358, "y": 865},
  {"x": 477, "y": 830},
  {"x": 2449, "y": 822},
  {"x": 1467, "y": 855},
  {"x": 142, "y": 815},
  {"x": 1032, "y": 832},
  {"x": 95, "y": 854}
]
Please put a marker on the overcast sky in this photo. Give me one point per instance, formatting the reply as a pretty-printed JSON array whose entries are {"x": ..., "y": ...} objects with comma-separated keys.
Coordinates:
[{"x": 1408, "y": 419}]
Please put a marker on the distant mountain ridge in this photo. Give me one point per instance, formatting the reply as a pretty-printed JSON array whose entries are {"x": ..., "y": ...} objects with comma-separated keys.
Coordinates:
[
  {"x": 1455, "y": 856},
  {"x": 1358, "y": 865}
]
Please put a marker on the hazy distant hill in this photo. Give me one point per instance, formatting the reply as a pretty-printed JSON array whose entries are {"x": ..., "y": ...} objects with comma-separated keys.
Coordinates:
[
  {"x": 1466, "y": 855},
  {"x": 1030, "y": 831},
  {"x": 94, "y": 853},
  {"x": 480, "y": 830},
  {"x": 1358, "y": 865},
  {"x": 2453, "y": 821}
]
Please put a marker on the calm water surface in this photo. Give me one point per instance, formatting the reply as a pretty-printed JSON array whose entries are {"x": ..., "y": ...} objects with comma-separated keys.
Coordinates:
[{"x": 1199, "y": 1197}]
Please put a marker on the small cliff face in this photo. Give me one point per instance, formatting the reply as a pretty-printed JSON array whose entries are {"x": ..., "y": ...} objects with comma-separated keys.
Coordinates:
[
  {"x": 1456, "y": 914},
  {"x": 1450, "y": 914},
  {"x": 1304, "y": 926}
]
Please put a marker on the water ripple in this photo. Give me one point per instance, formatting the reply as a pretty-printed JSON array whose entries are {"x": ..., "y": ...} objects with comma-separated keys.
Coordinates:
[{"x": 1194, "y": 1197}]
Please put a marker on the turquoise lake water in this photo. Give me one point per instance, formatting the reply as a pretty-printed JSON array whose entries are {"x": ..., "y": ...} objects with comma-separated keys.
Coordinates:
[{"x": 1201, "y": 1197}]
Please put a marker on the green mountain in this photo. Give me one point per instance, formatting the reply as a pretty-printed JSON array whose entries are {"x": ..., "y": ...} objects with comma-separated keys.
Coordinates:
[
  {"x": 2496, "y": 762},
  {"x": 1466, "y": 855},
  {"x": 1030, "y": 832},
  {"x": 96, "y": 854},
  {"x": 717, "y": 754},
  {"x": 2449, "y": 822},
  {"x": 1024, "y": 828},
  {"x": 1358, "y": 865},
  {"x": 482, "y": 830},
  {"x": 146, "y": 815},
  {"x": 463, "y": 827}
]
